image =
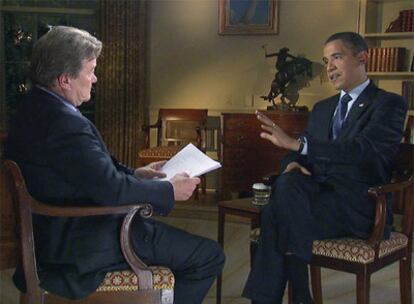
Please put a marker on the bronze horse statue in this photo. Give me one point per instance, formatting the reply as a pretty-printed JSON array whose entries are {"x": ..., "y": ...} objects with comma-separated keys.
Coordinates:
[{"x": 288, "y": 68}]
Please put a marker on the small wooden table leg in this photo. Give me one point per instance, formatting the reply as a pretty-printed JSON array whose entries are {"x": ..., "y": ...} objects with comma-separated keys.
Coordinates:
[{"x": 220, "y": 238}]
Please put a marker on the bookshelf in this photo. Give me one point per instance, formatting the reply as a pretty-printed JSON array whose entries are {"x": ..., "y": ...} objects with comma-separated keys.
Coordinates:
[{"x": 375, "y": 19}]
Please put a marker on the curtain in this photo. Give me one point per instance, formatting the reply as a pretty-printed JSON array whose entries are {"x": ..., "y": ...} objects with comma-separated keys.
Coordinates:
[{"x": 121, "y": 107}]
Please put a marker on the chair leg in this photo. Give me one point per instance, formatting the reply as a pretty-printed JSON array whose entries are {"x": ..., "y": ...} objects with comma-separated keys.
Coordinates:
[
  {"x": 196, "y": 194},
  {"x": 405, "y": 280},
  {"x": 253, "y": 247},
  {"x": 290, "y": 292},
  {"x": 203, "y": 184},
  {"x": 316, "y": 283},
  {"x": 362, "y": 287},
  {"x": 26, "y": 298}
]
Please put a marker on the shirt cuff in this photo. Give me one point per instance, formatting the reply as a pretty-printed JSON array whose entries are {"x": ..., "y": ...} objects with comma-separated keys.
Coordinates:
[{"x": 305, "y": 146}]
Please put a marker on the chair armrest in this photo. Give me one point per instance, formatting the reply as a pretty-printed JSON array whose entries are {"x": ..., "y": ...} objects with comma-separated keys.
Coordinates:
[
  {"x": 379, "y": 194},
  {"x": 146, "y": 129},
  {"x": 201, "y": 142},
  {"x": 72, "y": 211},
  {"x": 144, "y": 210},
  {"x": 142, "y": 271}
]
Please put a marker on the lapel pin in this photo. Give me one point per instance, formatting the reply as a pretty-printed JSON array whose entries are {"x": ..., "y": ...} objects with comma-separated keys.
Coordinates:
[{"x": 361, "y": 105}]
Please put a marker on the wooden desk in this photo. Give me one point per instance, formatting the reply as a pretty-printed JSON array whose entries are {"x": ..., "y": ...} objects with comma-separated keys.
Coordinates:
[{"x": 240, "y": 207}]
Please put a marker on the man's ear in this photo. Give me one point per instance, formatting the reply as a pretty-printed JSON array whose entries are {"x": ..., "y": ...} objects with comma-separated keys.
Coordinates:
[
  {"x": 63, "y": 81},
  {"x": 363, "y": 57}
]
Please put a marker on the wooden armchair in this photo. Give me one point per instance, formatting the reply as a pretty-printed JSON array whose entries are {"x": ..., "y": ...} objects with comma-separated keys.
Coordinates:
[
  {"x": 364, "y": 257},
  {"x": 175, "y": 128},
  {"x": 141, "y": 284}
]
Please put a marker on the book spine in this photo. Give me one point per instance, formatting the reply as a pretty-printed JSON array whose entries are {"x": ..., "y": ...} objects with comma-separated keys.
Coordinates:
[
  {"x": 401, "y": 58},
  {"x": 391, "y": 62},
  {"x": 383, "y": 59},
  {"x": 374, "y": 59},
  {"x": 369, "y": 62}
]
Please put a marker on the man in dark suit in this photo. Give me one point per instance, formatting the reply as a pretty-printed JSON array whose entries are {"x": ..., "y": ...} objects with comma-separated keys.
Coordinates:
[
  {"x": 64, "y": 160},
  {"x": 348, "y": 146}
]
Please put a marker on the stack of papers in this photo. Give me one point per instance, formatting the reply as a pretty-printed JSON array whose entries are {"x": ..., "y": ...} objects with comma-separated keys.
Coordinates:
[{"x": 191, "y": 161}]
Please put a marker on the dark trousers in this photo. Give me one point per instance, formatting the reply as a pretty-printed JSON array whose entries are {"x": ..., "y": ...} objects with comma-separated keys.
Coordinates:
[
  {"x": 194, "y": 260},
  {"x": 300, "y": 211}
]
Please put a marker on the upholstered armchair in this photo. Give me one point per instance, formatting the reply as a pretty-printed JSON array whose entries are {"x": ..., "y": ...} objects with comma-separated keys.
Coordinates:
[
  {"x": 140, "y": 284},
  {"x": 364, "y": 257}
]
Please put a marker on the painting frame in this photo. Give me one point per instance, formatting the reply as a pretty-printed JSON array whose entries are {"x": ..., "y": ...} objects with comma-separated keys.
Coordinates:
[{"x": 263, "y": 19}]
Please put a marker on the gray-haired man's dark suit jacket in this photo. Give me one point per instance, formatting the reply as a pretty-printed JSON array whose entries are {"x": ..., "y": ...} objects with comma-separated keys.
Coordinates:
[{"x": 62, "y": 155}]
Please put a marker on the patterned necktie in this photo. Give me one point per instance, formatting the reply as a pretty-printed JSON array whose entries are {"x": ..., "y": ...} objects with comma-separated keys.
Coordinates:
[{"x": 340, "y": 115}]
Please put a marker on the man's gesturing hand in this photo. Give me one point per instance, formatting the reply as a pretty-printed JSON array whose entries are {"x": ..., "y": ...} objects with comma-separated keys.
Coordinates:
[{"x": 275, "y": 134}]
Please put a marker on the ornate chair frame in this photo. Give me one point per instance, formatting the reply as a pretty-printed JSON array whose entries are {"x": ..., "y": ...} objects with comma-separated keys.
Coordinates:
[{"x": 27, "y": 206}]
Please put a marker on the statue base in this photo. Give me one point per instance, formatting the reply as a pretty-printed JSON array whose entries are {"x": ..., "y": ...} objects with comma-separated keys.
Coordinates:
[{"x": 286, "y": 108}]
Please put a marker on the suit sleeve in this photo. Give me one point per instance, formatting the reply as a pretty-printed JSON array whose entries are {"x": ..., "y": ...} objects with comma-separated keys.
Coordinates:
[
  {"x": 121, "y": 167},
  {"x": 292, "y": 157},
  {"x": 76, "y": 154}
]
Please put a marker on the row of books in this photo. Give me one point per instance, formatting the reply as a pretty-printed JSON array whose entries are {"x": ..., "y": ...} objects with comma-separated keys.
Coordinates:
[
  {"x": 404, "y": 22},
  {"x": 407, "y": 20},
  {"x": 408, "y": 93},
  {"x": 390, "y": 59}
]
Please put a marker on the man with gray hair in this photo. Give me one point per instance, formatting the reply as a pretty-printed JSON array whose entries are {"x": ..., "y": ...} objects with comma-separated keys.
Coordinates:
[{"x": 63, "y": 159}]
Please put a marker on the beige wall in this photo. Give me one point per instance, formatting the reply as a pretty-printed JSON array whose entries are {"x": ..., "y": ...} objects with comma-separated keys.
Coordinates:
[{"x": 192, "y": 66}]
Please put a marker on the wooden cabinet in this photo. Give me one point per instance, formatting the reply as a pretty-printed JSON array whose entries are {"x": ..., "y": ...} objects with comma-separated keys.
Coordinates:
[{"x": 246, "y": 157}]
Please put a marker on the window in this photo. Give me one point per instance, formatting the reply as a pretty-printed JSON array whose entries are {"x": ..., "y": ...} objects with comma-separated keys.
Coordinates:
[{"x": 22, "y": 22}]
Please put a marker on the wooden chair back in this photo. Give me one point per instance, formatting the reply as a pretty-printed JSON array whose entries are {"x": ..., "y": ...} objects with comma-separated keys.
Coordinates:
[{"x": 176, "y": 127}]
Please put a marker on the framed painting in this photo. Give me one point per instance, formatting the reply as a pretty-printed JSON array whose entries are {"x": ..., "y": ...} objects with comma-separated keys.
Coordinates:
[{"x": 248, "y": 17}]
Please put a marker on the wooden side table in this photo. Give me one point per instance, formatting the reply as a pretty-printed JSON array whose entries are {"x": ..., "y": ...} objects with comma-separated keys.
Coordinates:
[{"x": 240, "y": 207}]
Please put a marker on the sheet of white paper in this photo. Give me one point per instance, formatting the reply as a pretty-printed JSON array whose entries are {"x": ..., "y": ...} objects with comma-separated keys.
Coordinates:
[{"x": 191, "y": 161}]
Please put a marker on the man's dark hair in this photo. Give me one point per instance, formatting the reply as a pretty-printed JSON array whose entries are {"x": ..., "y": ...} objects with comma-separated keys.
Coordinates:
[{"x": 352, "y": 40}]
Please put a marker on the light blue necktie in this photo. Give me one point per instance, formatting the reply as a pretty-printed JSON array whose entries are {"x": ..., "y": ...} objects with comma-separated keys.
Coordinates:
[{"x": 340, "y": 115}]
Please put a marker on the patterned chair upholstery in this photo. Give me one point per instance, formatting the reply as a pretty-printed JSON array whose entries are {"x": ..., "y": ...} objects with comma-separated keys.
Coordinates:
[
  {"x": 163, "y": 279},
  {"x": 351, "y": 249},
  {"x": 357, "y": 250},
  {"x": 127, "y": 281},
  {"x": 150, "y": 155}
]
